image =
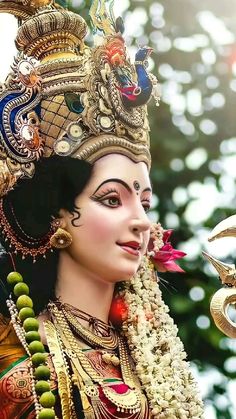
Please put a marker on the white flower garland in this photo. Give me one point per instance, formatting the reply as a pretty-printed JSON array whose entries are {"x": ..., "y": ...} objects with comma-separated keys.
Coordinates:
[{"x": 157, "y": 350}]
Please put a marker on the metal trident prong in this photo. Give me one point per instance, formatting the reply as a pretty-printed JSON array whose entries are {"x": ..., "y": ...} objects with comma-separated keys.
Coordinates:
[
  {"x": 226, "y": 228},
  {"x": 226, "y": 271}
]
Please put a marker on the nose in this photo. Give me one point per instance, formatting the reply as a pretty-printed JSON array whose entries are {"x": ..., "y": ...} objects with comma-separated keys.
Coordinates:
[{"x": 140, "y": 223}]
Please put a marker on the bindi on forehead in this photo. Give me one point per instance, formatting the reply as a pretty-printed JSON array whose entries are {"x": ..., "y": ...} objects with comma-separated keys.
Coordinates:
[{"x": 137, "y": 186}]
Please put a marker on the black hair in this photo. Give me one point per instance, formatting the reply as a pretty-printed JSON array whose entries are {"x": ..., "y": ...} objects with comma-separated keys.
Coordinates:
[{"x": 55, "y": 185}]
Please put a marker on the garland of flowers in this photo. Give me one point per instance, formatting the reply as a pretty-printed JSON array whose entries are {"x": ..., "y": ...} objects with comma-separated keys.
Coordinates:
[{"x": 156, "y": 349}]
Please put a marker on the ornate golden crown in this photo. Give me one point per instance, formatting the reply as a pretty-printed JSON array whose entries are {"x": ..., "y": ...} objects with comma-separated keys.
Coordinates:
[{"x": 66, "y": 98}]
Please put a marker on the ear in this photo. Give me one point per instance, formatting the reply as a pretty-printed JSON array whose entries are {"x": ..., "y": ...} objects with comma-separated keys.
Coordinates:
[{"x": 63, "y": 218}]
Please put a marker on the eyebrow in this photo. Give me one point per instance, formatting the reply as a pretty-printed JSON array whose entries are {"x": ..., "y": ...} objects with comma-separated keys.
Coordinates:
[{"x": 122, "y": 182}]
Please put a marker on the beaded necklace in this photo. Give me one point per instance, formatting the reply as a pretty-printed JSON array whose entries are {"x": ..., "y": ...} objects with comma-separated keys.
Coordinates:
[{"x": 26, "y": 327}]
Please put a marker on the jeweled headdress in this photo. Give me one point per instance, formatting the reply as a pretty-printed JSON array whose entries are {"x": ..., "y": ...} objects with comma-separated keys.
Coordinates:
[{"x": 63, "y": 97}]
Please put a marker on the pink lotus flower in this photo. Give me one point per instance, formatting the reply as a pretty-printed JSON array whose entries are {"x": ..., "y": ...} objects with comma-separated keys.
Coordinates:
[{"x": 164, "y": 259}]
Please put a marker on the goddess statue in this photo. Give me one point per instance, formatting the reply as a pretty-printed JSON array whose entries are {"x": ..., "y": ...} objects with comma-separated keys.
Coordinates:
[{"x": 84, "y": 332}]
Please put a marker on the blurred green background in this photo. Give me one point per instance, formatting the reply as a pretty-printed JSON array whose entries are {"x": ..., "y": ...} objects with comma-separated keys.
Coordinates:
[{"x": 194, "y": 164}]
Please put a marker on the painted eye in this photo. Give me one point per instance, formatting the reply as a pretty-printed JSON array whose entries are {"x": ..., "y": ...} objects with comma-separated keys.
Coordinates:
[
  {"x": 146, "y": 207},
  {"x": 113, "y": 201}
]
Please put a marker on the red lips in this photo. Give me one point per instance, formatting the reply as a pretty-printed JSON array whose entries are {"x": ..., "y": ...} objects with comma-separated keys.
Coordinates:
[{"x": 132, "y": 244}]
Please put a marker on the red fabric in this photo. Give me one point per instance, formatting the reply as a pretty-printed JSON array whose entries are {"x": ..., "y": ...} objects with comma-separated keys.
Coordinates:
[{"x": 110, "y": 371}]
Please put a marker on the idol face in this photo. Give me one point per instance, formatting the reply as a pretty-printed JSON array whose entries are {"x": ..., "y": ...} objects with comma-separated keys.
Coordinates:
[{"x": 110, "y": 227}]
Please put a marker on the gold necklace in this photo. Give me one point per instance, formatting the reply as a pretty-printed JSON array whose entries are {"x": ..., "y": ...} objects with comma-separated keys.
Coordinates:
[
  {"x": 106, "y": 342},
  {"x": 88, "y": 380},
  {"x": 109, "y": 342},
  {"x": 97, "y": 325},
  {"x": 61, "y": 368}
]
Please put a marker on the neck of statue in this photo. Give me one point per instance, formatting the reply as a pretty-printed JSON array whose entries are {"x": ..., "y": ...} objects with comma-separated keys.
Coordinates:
[{"x": 83, "y": 289}]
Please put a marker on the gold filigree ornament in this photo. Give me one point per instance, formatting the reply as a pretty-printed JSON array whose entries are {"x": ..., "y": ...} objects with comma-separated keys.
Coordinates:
[
  {"x": 88, "y": 379},
  {"x": 64, "y": 386},
  {"x": 226, "y": 296},
  {"x": 63, "y": 97}
]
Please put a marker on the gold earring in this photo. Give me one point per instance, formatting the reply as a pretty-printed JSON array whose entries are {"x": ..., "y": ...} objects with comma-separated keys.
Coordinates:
[{"x": 61, "y": 239}]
